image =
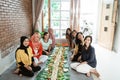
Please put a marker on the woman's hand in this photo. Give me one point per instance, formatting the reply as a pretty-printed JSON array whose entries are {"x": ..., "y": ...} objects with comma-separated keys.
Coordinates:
[
  {"x": 34, "y": 64},
  {"x": 71, "y": 58},
  {"x": 47, "y": 53},
  {"x": 79, "y": 59},
  {"x": 36, "y": 54},
  {"x": 28, "y": 68},
  {"x": 85, "y": 62}
]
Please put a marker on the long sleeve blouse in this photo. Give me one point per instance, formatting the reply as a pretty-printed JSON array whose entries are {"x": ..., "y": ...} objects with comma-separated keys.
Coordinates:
[
  {"x": 89, "y": 56},
  {"x": 40, "y": 49}
]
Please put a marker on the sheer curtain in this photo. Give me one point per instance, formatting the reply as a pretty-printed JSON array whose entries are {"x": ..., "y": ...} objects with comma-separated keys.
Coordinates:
[
  {"x": 38, "y": 6},
  {"x": 75, "y": 15}
]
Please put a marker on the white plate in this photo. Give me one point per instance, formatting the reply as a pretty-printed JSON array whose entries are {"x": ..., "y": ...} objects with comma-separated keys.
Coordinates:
[
  {"x": 65, "y": 70},
  {"x": 65, "y": 61},
  {"x": 46, "y": 69}
]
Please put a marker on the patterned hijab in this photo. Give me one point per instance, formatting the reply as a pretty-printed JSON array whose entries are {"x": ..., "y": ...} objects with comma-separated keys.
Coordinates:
[
  {"x": 52, "y": 36},
  {"x": 35, "y": 43},
  {"x": 50, "y": 30}
]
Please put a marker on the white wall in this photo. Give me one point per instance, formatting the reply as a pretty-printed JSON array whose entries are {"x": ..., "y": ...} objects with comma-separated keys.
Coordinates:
[
  {"x": 116, "y": 46},
  {"x": 98, "y": 19}
]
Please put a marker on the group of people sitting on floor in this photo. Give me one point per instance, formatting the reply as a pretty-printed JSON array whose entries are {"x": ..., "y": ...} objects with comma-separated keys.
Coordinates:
[
  {"x": 83, "y": 54},
  {"x": 33, "y": 51}
]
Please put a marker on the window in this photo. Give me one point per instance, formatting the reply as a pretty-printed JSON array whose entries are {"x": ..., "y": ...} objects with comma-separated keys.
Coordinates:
[{"x": 60, "y": 16}]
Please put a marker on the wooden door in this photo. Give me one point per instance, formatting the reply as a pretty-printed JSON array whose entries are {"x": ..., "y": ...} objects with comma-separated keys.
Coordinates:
[{"x": 107, "y": 26}]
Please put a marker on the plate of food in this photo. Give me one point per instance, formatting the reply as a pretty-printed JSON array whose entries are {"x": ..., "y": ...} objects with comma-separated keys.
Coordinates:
[
  {"x": 64, "y": 61},
  {"x": 65, "y": 70},
  {"x": 46, "y": 69}
]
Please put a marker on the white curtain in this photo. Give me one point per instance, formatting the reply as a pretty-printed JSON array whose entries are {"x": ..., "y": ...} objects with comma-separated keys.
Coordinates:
[
  {"x": 38, "y": 10},
  {"x": 75, "y": 14}
]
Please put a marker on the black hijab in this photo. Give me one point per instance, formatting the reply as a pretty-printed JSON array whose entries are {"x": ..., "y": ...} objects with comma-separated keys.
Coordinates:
[{"x": 21, "y": 44}]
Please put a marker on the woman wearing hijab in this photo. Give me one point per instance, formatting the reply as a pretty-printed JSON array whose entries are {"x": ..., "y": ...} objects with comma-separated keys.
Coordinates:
[
  {"x": 88, "y": 61},
  {"x": 52, "y": 37},
  {"x": 24, "y": 58},
  {"x": 37, "y": 49}
]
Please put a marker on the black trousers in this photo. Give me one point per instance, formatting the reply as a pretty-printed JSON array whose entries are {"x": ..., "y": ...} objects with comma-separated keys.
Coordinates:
[
  {"x": 44, "y": 53},
  {"x": 76, "y": 56},
  {"x": 27, "y": 72}
]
